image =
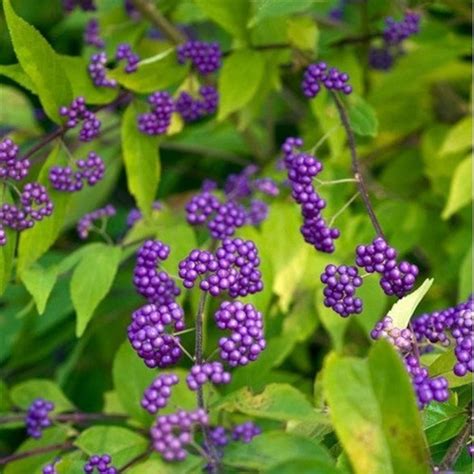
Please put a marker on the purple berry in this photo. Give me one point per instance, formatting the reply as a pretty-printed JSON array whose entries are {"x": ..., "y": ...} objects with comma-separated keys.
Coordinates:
[
  {"x": 86, "y": 222},
  {"x": 402, "y": 339},
  {"x": 37, "y": 417},
  {"x": 156, "y": 396},
  {"x": 158, "y": 120},
  {"x": 124, "y": 52},
  {"x": 92, "y": 34},
  {"x": 205, "y": 57},
  {"x": 98, "y": 71},
  {"x": 245, "y": 432},
  {"x": 208, "y": 372},
  {"x": 11, "y": 166},
  {"x": 318, "y": 75},
  {"x": 100, "y": 464},
  {"x": 78, "y": 112}
]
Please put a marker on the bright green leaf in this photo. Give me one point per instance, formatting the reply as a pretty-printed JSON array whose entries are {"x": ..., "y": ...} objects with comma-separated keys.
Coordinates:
[
  {"x": 269, "y": 8},
  {"x": 16, "y": 73},
  {"x": 362, "y": 117},
  {"x": 465, "y": 277},
  {"x": 142, "y": 161},
  {"x": 403, "y": 309},
  {"x": 36, "y": 241},
  {"x": 121, "y": 443},
  {"x": 459, "y": 138},
  {"x": 191, "y": 465},
  {"x": 302, "y": 33},
  {"x": 232, "y": 16},
  {"x": 71, "y": 463},
  {"x": 40, "y": 62},
  {"x": 443, "y": 366},
  {"x": 239, "y": 80},
  {"x": 26, "y": 392},
  {"x": 87, "y": 292},
  {"x": 16, "y": 110},
  {"x": 275, "y": 447},
  {"x": 303, "y": 466},
  {"x": 39, "y": 282},
  {"x": 442, "y": 422},
  {"x": 460, "y": 192}
]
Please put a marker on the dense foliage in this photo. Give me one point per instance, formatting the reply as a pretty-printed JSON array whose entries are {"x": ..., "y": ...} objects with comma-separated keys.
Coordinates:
[{"x": 235, "y": 236}]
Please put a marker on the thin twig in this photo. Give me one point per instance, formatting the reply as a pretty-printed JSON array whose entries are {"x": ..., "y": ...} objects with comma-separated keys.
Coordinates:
[
  {"x": 355, "y": 165},
  {"x": 343, "y": 208},
  {"x": 148, "y": 10},
  {"x": 34, "y": 452},
  {"x": 135, "y": 460},
  {"x": 457, "y": 445}
]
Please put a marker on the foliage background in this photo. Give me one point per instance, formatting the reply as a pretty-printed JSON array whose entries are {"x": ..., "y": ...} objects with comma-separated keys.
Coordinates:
[{"x": 414, "y": 137}]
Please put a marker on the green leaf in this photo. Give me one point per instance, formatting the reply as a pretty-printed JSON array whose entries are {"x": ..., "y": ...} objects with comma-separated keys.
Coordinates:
[
  {"x": 465, "y": 276},
  {"x": 302, "y": 32},
  {"x": 270, "y": 8},
  {"x": 17, "y": 111},
  {"x": 443, "y": 366},
  {"x": 71, "y": 463},
  {"x": 7, "y": 252},
  {"x": 87, "y": 292},
  {"x": 130, "y": 390},
  {"x": 142, "y": 163},
  {"x": 303, "y": 466},
  {"x": 16, "y": 73},
  {"x": 24, "y": 393},
  {"x": 374, "y": 304},
  {"x": 269, "y": 449},
  {"x": 238, "y": 80},
  {"x": 159, "y": 72},
  {"x": 40, "y": 62},
  {"x": 36, "y": 241},
  {"x": 34, "y": 464},
  {"x": 442, "y": 422},
  {"x": 460, "y": 192},
  {"x": 277, "y": 402},
  {"x": 375, "y": 413},
  {"x": 39, "y": 282},
  {"x": 403, "y": 309},
  {"x": 232, "y": 16},
  {"x": 362, "y": 117},
  {"x": 459, "y": 138},
  {"x": 81, "y": 83},
  {"x": 191, "y": 465},
  {"x": 121, "y": 443}
]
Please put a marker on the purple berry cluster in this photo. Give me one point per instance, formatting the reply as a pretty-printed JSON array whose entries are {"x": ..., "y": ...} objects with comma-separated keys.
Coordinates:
[
  {"x": 245, "y": 432},
  {"x": 98, "y": 71},
  {"x": 64, "y": 178},
  {"x": 130, "y": 10},
  {"x": 205, "y": 57},
  {"x": 394, "y": 33},
  {"x": 11, "y": 166},
  {"x": 208, "y": 372},
  {"x": 301, "y": 169},
  {"x": 37, "y": 417},
  {"x": 426, "y": 388},
  {"x": 86, "y": 222},
  {"x": 402, "y": 339},
  {"x": 339, "y": 293},
  {"x": 218, "y": 436},
  {"x": 239, "y": 208},
  {"x": 158, "y": 120},
  {"x": 78, "y": 112},
  {"x": 171, "y": 433},
  {"x": 124, "y": 53},
  {"x": 154, "y": 284},
  {"x": 191, "y": 109},
  {"x": 396, "y": 278},
  {"x": 246, "y": 340},
  {"x": 453, "y": 325},
  {"x": 148, "y": 337},
  {"x": 318, "y": 75},
  {"x": 156, "y": 396},
  {"x": 135, "y": 214},
  {"x": 92, "y": 34},
  {"x": 86, "y": 5},
  {"x": 100, "y": 464}
]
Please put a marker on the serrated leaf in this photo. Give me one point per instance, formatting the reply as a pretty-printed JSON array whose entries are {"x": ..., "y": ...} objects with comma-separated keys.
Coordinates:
[
  {"x": 36, "y": 241},
  {"x": 271, "y": 8},
  {"x": 232, "y": 16},
  {"x": 238, "y": 80},
  {"x": 277, "y": 402},
  {"x": 460, "y": 191},
  {"x": 302, "y": 33},
  {"x": 120, "y": 443},
  {"x": 140, "y": 153},
  {"x": 442, "y": 422},
  {"x": 40, "y": 62},
  {"x": 24, "y": 393},
  {"x": 130, "y": 390},
  {"x": 362, "y": 117},
  {"x": 272, "y": 448},
  {"x": 87, "y": 292},
  {"x": 459, "y": 138},
  {"x": 39, "y": 282},
  {"x": 404, "y": 308}
]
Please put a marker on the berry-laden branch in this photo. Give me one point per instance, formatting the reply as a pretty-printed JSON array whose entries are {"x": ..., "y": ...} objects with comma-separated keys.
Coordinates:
[
  {"x": 34, "y": 452},
  {"x": 147, "y": 9},
  {"x": 355, "y": 165}
]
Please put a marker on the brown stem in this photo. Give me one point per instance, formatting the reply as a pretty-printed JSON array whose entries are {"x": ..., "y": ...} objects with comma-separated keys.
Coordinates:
[
  {"x": 135, "y": 460},
  {"x": 148, "y": 10},
  {"x": 365, "y": 38},
  {"x": 68, "y": 417},
  {"x": 34, "y": 452},
  {"x": 355, "y": 165},
  {"x": 457, "y": 445}
]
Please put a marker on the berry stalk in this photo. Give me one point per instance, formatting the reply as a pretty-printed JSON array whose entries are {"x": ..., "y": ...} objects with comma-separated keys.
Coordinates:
[
  {"x": 34, "y": 452},
  {"x": 355, "y": 165}
]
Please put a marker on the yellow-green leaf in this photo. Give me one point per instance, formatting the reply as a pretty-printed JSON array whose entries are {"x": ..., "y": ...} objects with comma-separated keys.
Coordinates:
[
  {"x": 460, "y": 191},
  {"x": 39, "y": 282},
  {"x": 459, "y": 137}
]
